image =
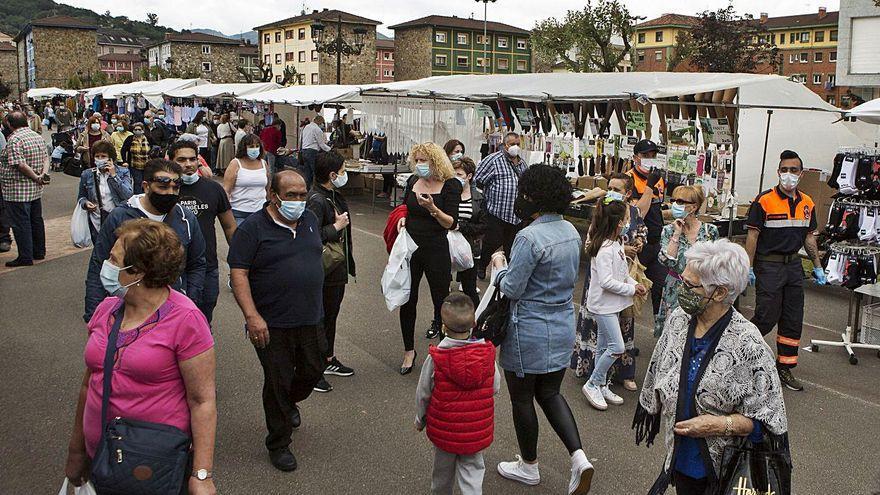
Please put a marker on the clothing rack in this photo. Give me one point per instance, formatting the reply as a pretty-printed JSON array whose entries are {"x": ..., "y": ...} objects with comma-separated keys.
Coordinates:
[{"x": 854, "y": 249}]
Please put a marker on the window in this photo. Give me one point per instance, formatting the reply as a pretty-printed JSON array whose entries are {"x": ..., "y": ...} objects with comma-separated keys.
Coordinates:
[
  {"x": 832, "y": 56},
  {"x": 832, "y": 100},
  {"x": 658, "y": 36},
  {"x": 832, "y": 36},
  {"x": 392, "y": 72},
  {"x": 819, "y": 36},
  {"x": 804, "y": 57},
  {"x": 206, "y": 49},
  {"x": 288, "y": 34},
  {"x": 461, "y": 38},
  {"x": 277, "y": 58},
  {"x": 805, "y": 37},
  {"x": 502, "y": 42},
  {"x": 641, "y": 56},
  {"x": 641, "y": 37},
  {"x": 302, "y": 56},
  {"x": 267, "y": 39},
  {"x": 301, "y": 34},
  {"x": 791, "y": 37},
  {"x": 440, "y": 37},
  {"x": 386, "y": 56},
  {"x": 206, "y": 66},
  {"x": 792, "y": 58},
  {"x": 817, "y": 79},
  {"x": 521, "y": 44},
  {"x": 288, "y": 57},
  {"x": 278, "y": 37},
  {"x": 111, "y": 49},
  {"x": 481, "y": 61},
  {"x": 818, "y": 57},
  {"x": 832, "y": 80},
  {"x": 386, "y": 72},
  {"x": 267, "y": 59},
  {"x": 772, "y": 39},
  {"x": 482, "y": 40},
  {"x": 658, "y": 55},
  {"x": 278, "y": 79},
  {"x": 240, "y": 60},
  {"x": 781, "y": 38},
  {"x": 440, "y": 60},
  {"x": 315, "y": 78},
  {"x": 503, "y": 64},
  {"x": 521, "y": 65},
  {"x": 314, "y": 55},
  {"x": 800, "y": 78},
  {"x": 461, "y": 61}
]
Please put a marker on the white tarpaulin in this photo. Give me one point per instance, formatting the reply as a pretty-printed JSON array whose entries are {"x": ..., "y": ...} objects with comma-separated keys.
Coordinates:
[
  {"x": 41, "y": 93},
  {"x": 154, "y": 91},
  {"x": 302, "y": 96},
  {"x": 222, "y": 90},
  {"x": 867, "y": 112}
]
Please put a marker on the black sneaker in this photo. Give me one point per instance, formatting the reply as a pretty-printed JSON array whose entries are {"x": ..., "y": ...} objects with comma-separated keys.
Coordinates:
[
  {"x": 481, "y": 273},
  {"x": 434, "y": 331},
  {"x": 338, "y": 369},
  {"x": 283, "y": 459},
  {"x": 788, "y": 379},
  {"x": 323, "y": 386},
  {"x": 295, "y": 417}
]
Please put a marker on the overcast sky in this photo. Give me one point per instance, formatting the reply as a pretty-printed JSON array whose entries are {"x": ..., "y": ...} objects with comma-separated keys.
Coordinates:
[{"x": 234, "y": 16}]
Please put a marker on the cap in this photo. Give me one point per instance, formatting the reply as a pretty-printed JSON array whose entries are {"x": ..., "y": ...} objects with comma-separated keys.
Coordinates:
[{"x": 645, "y": 146}]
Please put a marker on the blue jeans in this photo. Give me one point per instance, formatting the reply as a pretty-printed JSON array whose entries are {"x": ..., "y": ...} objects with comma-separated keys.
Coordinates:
[
  {"x": 4, "y": 222},
  {"x": 307, "y": 165},
  {"x": 137, "y": 179},
  {"x": 210, "y": 292},
  {"x": 239, "y": 216},
  {"x": 609, "y": 347},
  {"x": 26, "y": 219}
]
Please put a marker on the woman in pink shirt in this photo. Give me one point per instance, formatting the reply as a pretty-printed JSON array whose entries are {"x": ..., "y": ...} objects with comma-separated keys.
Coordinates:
[{"x": 164, "y": 363}]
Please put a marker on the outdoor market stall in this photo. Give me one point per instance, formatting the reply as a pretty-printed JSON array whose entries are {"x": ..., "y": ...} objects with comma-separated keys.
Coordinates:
[{"x": 51, "y": 92}]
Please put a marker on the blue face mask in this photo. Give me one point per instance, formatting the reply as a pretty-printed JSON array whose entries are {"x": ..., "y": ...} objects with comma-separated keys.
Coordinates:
[
  {"x": 455, "y": 156},
  {"x": 253, "y": 153},
  {"x": 292, "y": 210},
  {"x": 423, "y": 170},
  {"x": 678, "y": 211},
  {"x": 189, "y": 179},
  {"x": 463, "y": 182},
  {"x": 110, "y": 279},
  {"x": 614, "y": 196}
]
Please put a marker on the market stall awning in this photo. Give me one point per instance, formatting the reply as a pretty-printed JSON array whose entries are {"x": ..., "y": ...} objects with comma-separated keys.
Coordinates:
[
  {"x": 222, "y": 90},
  {"x": 302, "y": 96},
  {"x": 39, "y": 93},
  {"x": 154, "y": 91},
  {"x": 867, "y": 112},
  {"x": 115, "y": 90}
]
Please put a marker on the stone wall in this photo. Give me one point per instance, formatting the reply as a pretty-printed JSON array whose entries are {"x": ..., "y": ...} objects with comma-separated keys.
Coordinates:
[
  {"x": 22, "y": 66},
  {"x": 412, "y": 53},
  {"x": 188, "y": 58},
  {"x": 9, "y": 71},
  {"x": 61, "y": 52},
  {"x": 356, "y": 69}
]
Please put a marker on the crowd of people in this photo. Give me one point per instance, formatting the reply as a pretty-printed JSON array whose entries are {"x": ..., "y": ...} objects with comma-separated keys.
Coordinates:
[{"x": 154, "y": 201}]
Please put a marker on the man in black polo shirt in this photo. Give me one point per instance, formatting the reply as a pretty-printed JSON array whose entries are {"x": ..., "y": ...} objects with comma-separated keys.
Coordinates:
[
  {"x": 208, "y": 202},
  {"x": 277, "y": 279}
]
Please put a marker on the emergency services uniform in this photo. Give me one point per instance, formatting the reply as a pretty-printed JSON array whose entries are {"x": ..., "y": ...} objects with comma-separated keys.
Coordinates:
[{"x": 648, "y": 257}]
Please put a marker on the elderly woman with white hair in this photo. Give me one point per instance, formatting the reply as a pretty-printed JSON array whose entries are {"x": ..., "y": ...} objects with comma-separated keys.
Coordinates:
[{"x": 712, "y": 378}]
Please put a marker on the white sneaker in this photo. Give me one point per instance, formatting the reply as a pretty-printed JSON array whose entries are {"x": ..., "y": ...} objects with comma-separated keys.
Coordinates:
[
  {"x": 594, "y": 396},
  {"x": 521, "y": 471},
  {"x": 581, "y": 474},
  {"x": 611, "y": 397}
]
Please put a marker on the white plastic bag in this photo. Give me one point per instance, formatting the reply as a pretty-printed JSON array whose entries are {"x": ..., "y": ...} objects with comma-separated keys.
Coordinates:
[
  {"x": 79, "y": 227},
  {"x": 459, "y": 251},
  {"x": 86, "y": 489},
  {"x": 396, "y": 278},
  {"x": 487, "y": 295}
]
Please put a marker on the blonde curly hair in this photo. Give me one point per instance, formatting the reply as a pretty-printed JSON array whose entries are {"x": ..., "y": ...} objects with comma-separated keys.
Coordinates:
[{"x": 441, "y": 167}]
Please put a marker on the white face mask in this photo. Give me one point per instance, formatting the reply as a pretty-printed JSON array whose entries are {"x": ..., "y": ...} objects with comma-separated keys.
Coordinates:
[
  {"x": 340, "y": 180},
  {"x": 101, "y": 163},
  {"x": 455, "y": 156},
  {"x": 789, "y": 181},
  {"x": 513, "y": 151}
]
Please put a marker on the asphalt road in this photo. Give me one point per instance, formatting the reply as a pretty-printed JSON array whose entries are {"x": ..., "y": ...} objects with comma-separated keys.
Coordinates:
[{"x": 359, "y": 438}]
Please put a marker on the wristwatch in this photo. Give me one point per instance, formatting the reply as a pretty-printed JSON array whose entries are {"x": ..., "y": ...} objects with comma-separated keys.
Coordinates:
[{"x": 202, "y": 474}]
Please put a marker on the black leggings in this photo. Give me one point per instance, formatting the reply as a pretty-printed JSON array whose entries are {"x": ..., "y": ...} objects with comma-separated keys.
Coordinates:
[
  {"x": 545, "y": 390},
  {"x": 685, "y": 485},
  {"x": 468, "y": 279},
  {"x": 434, "y": 263}
]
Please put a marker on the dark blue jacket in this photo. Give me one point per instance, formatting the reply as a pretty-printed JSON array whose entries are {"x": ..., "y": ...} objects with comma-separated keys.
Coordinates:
[{"x": 181, "y": 219}]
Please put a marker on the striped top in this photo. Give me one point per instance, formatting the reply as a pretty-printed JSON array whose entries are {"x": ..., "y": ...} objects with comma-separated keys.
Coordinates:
[{"x": 466, "y": 209}]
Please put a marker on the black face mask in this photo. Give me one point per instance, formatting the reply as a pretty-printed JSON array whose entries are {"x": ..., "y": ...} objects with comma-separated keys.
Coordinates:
[
  {"x": 524, "y": 208},
  {"x": 163, "y": 202}
]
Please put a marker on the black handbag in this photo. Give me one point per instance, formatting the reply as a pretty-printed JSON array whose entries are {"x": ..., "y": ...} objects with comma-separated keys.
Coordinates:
[
  {"x": 73, "y": 167},
  {"x": 492, "y": 323},
  {"x": 136, "y": 457},
  {"x": 760, "y": 468}
]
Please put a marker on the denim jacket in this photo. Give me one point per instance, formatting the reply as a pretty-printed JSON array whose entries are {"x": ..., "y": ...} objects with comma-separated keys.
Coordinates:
[
  {"x": 540, "y": 282},
  {"x": 120, "y": 187}
]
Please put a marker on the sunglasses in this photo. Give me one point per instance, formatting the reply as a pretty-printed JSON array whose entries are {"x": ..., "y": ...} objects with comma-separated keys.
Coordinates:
[
  {"x": 680, "y": 201},
  {"x": 165, "y": 181}
]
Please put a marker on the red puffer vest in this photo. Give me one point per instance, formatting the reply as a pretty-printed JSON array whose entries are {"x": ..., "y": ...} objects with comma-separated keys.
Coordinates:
[{"x": 461, "y": 414}]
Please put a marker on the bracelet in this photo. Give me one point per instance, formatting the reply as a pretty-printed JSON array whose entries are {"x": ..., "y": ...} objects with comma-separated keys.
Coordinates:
[{"x": 728, "y": 426}]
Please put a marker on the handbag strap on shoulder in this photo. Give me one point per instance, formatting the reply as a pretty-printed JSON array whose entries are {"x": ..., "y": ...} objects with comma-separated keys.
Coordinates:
[{"x": 109, "y": 355}]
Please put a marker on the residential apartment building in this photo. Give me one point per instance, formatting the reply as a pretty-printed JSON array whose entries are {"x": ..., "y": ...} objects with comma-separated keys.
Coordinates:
[
  {"x": 858, "y": 65},
  {"x": 210, "y": 57},
  {"x": 439, "y": 45},
  {"x": 120, "y": 55},
  {"x": 289, "y": 43},
  {"x": 384, "y": 59},
  {"x": 52, "y": 50},
  {"x": 655, "y": 42},
  {"x": 248, "y": 60},
  {"x": 9, "y": 67}
]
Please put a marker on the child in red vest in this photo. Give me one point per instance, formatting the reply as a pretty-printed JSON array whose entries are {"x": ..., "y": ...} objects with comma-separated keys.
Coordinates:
[{"x": 455, "y": 399}]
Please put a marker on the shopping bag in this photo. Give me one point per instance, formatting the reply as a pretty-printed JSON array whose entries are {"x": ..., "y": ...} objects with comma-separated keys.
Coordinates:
[
  {"x": 637, "y": 272},
  {"x": 396, "y": 277},
  {"x": 85, "y": 489},
  {"x": 493, "y": 314},
  {"x": 79, "y": 227},
  {"x": 759, "y": 468},
  {"x": 459, "y": 251}
]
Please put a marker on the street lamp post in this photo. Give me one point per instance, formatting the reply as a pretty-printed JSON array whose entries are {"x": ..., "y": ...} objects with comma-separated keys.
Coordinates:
[
  {"x": 485, "y": 30},
  {"x": 338, "y": 46}
]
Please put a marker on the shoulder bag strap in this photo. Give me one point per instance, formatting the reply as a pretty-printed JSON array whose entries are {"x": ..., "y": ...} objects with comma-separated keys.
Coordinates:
[
  {"x": 109, "y": 354},
  {"x": 98, "y": 192}
]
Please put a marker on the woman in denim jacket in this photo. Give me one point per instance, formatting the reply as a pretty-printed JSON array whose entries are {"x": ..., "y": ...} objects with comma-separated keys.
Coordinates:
[
  {"x": 112, "y": 183},
  {"x": 534, "y": 355}
]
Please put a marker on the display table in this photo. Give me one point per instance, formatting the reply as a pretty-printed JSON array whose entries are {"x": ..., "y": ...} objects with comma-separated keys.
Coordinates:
[
  {"x": 857, "y": 322},
  {"x": 365, "y": 167}
]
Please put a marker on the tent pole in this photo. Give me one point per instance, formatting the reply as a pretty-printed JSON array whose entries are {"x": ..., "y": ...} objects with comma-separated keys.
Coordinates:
[
  {"x": 733, "y": 171},
  {"x": 764, "y": 157},
  {"x": 434, "y": 120}
]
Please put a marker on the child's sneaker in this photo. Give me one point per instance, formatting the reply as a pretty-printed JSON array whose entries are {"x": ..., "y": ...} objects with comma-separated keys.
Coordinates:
[
  {"x": 594, "y": 396},
  {"x": 581, "y": 474},
  {"x": 521, "y": 471},
  {"x": 611, "y": 397}
]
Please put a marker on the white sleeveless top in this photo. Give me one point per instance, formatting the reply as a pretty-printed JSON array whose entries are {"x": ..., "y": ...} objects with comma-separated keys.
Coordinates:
[{"x": 249, "y": 192}]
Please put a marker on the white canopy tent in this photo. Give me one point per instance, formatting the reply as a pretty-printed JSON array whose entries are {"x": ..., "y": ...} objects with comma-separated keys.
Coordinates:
[
  {"x": 302, "y": 96},
  {"x": 222, "y": 90},
  {"x": 43, "y": 93},
  {"x": 867, "y": 112},
  {"x": 154, "y": 91}
]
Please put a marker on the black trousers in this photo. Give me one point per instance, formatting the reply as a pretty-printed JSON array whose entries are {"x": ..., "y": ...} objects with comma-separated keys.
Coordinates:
[
  {"x": 4, "y": 222},
  {"x": 468, "y": 279},
  {"x": 333, "y": 295},
  {"x": 685, "y": 485},
  {"x": 545, "y": 390},
  {"x": 432, "y": 261},
  {"x": 655, "y": 272},
  {"x": 779, "y": 302},
  {"x": 498, "y": 234},
  {"x": 292, "y": 364}
]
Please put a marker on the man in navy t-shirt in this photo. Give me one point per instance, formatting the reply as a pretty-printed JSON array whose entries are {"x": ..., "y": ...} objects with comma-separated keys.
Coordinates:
[{"x": 278, "y": 279}]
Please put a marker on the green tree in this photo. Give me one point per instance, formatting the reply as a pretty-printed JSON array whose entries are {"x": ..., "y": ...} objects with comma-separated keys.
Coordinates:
[
  {"x": 152, "y": 18},
  {"x": 681, "y": 51},
  {"x": 583, "y": 40},
  {"x": 724, "y": 41}
]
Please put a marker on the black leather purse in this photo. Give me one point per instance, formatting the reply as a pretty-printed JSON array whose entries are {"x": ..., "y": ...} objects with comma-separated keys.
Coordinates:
[
  {"x": 493, "y": 322},
  {"x": 136, "y": 457}
]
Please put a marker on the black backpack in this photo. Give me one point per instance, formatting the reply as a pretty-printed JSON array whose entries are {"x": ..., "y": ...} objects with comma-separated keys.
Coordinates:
[
  {"x": 73, "y": 166},
  {"x": 493, "y": 322}
]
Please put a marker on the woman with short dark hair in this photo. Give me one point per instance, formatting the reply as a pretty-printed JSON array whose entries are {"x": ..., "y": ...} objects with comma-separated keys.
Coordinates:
[
  {"x": 454, "y": 149},
  {"x": 246, "y": 180},
  {"x": 535, "y": 353}
]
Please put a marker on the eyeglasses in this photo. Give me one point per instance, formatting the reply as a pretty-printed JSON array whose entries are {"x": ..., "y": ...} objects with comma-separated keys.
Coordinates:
[
  {"x": 165, "y": 181},
  {"x": 680, "y": 201},
  {"x": 690, "y": 285}
]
